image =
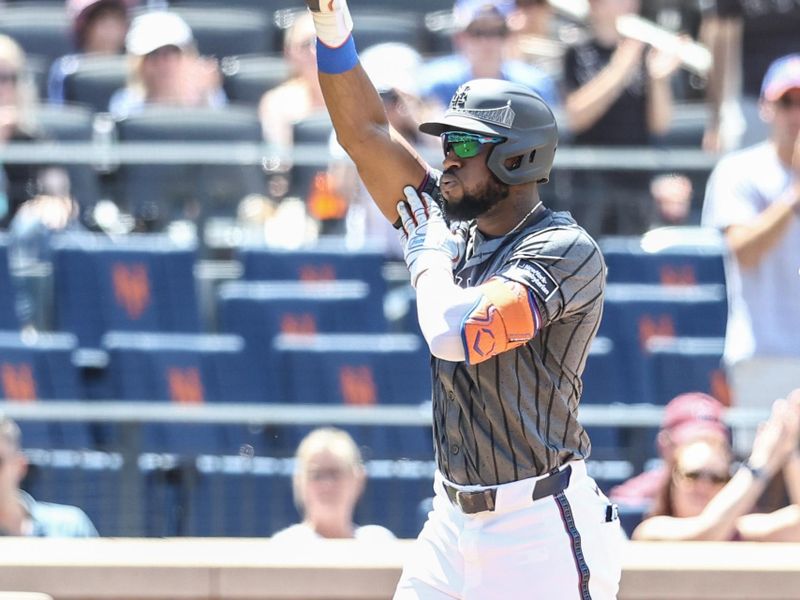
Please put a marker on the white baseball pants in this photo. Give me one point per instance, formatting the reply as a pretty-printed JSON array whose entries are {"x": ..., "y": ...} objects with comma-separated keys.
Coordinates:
[{"x": 565, "y": 546}]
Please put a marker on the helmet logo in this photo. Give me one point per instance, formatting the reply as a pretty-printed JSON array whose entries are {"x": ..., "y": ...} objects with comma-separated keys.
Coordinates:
[
  {"x": 503, "y": 116},
  {"x": 459, "y": 98}
]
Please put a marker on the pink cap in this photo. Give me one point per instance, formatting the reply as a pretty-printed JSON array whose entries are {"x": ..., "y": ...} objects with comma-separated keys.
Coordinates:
[{"x": 694, "y": 415}]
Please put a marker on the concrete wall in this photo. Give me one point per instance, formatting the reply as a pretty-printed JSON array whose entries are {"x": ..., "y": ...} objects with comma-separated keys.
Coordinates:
[{"x": 249, "y": 569}]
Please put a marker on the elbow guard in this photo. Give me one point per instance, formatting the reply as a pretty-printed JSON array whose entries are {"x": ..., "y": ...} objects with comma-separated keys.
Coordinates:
[{"x": 505, "y": 317}]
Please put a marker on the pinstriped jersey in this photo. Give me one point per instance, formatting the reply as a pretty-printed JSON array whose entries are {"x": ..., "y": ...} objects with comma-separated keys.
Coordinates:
[{"x": 514, "y": 415}]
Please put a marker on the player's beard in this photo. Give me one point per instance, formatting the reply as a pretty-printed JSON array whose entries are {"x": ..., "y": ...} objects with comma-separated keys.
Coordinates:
[{"x": 473, "y": 205}]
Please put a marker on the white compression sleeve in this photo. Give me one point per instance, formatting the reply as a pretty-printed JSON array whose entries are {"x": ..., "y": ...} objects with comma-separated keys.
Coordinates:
[{"x": 442, "y": 307}]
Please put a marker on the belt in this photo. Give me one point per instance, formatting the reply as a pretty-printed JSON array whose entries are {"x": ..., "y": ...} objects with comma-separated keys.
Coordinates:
[{"x": 471, "y": 502}]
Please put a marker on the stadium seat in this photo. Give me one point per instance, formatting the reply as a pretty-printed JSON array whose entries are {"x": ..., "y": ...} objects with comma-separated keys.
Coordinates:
[
  {"x": 136, "y": 283},
  {"x": 363, "y": 369},
  {"x": 387, "y": 24},
  {"x": 602, "y": 377},
  {"x": 634, "y": 313},
  {"x": 685, "y": 364},
  {"x": 676, "y": 257},
  {"x": 392, "y": 498},
  {"x": 91, "y": 80},
  {"x": 246, "y": 78},
  {"x": 8, "y": 310},
  {"x": 240, "y": 496},
  {"x": 259, "y": 311},
  {"x": 42, "y": 29},
  {"x": 38, "y": 367},
  {"x": 223, "y": 31},
  {"x": 178, "y": 367},
  {"x": 70, "y": 123},
  {"x": 160, "y": 193},
  {"x": 315, "y": 129},
  {"x": 320, "y": 263}
]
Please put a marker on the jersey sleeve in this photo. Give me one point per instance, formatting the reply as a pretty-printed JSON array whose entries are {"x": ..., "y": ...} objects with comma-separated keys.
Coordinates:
[{"x": 562, "y": 268}]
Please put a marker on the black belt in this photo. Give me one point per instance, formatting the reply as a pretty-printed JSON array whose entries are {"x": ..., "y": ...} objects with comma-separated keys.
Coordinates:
[{"x": 484, "y": 500}]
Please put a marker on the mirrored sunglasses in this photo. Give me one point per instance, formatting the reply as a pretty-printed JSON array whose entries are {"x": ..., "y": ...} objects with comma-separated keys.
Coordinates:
[{"x": 464, "y": 144}]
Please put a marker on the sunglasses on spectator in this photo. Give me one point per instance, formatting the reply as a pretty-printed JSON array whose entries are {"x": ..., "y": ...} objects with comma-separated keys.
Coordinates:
[
  {"x": 704, "y": 475},
  {"x": 8, "y": 77},
  {"x": 488, "y": 33},
  {"x": 465, "y": 144}
]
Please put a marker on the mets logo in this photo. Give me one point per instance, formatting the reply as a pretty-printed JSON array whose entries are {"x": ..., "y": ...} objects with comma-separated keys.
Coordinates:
[
  {"x": 358, "y": 385},
  {"x": 18, "y": 382},
  {"x": 460, "y": 97},
  {"x": 131, "y": 288},
  {"x": 185, "y": 385}
]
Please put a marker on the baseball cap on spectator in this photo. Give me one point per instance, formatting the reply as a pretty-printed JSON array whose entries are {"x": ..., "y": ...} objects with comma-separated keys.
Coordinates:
[
  {"x": 153, "y": 30},
  {"x": 783, "y": 75},
  {"x": 692, "y": 416},
  {"x": 466, "y": 12},
  {"x": 392, "y": 66},
  {"x": 80, "y": 12}
]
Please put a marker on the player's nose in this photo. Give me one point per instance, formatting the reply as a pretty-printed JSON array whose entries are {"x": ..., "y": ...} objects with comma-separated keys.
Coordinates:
[{"x": 451, "y": 160}]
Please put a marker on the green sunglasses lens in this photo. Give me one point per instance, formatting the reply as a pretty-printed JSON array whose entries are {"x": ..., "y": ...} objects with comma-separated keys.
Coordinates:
[{"x": 465, "y": 145}]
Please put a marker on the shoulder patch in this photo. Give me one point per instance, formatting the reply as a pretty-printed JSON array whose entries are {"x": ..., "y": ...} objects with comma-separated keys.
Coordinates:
[{"x": 535, "y": 275}]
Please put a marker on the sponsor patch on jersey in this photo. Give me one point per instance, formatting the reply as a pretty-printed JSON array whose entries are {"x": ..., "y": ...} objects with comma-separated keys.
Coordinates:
[{"x": 535, "y": 275}]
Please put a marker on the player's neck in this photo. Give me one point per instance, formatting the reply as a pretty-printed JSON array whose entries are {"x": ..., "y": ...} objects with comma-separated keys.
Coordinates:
[{"x": 511, "y": 213}]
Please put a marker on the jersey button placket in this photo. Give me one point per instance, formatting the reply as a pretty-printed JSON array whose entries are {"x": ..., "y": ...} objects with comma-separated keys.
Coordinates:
[
  {"x": 451, "y": 395},
  {"x": 454, "y": 449}
]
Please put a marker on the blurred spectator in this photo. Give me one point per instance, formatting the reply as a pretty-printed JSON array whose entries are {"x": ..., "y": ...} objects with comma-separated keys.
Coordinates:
[
  {"x": 745, "y": 37},
  {"x": 481, "y": 38},
  {"x": 753, "y": 197},
  {"x": 17, "y": 124},
  {"x": 329, "y": 479},
  {"x": 300, "y": 96},
  {"x": 165, "y": 67},
  {"x": 618, "y": 94},
  {"x": 536, "y": 36},
  {"x": 20, "y": 514},
  {"x": 393, "y": 69},
  {"x": 704, "y": 500},
  {"x": 687, "y": 418},
  {"x": 672, "y": 200},
  {"x": 98, "y": 27}
]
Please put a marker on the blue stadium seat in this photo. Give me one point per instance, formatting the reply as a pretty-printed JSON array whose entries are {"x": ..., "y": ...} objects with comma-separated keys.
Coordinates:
[
  {"x": 685, "y": 364},
  {"x": 392, "y": 497},
  {"x": 602, "y": 382},
  {"x": 259, "y": 311},
  {"x": 329, "y": 262},
  {"x": 8, "y": 310},
  {"x": 237, "y": 496},
  {"x": 41, "y": 29},
  {"x": 363, "y": 369},
  {"x": 634, "y": 313},
  {"x": 38, "y": 367},
  {"x": 138, "y": 283},
  {"x": 224, "y": 31},
  {"x": 158, "y": 193},
  {"x": 672, "y": 256},
  {"x": 91, "y": 79},
  {"x": 179, "y": 368}
]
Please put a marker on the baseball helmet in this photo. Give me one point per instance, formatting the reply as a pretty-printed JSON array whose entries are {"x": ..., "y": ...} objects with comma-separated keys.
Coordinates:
[{"x": 513, "y": 112}]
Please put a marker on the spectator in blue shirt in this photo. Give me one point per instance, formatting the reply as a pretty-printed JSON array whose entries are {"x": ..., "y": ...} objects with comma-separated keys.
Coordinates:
[
  {"x": 20, "y": 514},
  {"x": 481, "y": 38}
]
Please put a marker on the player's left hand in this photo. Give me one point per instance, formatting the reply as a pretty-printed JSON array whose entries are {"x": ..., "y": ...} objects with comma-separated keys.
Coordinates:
[{"x": 427, "y": 241}]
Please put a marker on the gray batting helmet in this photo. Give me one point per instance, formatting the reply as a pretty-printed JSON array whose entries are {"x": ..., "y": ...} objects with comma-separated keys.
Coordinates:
[{"x": 513, "y": 112}]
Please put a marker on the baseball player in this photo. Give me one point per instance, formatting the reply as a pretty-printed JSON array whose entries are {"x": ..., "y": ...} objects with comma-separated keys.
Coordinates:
[{"x": 509, "y": 300}]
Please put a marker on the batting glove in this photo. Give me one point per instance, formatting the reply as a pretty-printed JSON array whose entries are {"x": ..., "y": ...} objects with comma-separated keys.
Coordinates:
[{"x": 427, "y": 241}]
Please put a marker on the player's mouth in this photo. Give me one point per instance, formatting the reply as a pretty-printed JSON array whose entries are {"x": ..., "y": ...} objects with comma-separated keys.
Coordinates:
[{"x": 448, "y": 181}]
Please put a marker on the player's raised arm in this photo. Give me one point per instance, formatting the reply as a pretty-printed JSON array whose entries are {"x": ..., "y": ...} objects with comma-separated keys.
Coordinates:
[{"x": 385, "y": 161}]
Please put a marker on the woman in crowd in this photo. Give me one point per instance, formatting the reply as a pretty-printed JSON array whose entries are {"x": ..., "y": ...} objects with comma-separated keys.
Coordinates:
[
  {"x": 705, "y": 499},
  {"x": 328, "y": 480}
]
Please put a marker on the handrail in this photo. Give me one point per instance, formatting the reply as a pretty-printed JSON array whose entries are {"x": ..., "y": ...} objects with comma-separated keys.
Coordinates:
[
  {"x": 645, "y": 158},
  {"x": 621, "y": 415}
]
